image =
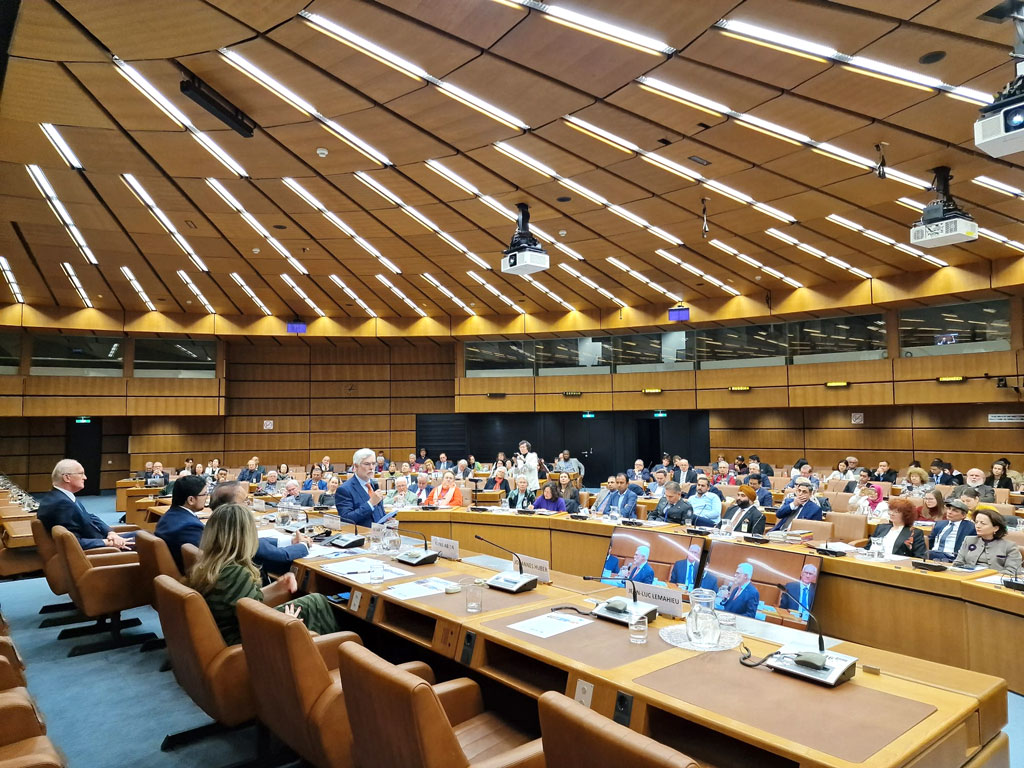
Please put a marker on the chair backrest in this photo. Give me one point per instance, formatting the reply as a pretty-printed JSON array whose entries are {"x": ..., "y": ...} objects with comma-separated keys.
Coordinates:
[
  {"x": 1002, "y": 495},
  {"x": 576, "y": 735},
  {"x": 820, "y": 530},
  {"x": 54, "y": 572},
  {"x": 190, "y": 556},
  {"x": 585, "y": 497},
  {"x": 154, "y": 559},
  {"x": 848, "y": 526},
  {"x": 489, "y": 497},
  {"x": 396, "y": 718},
  {"x": 72, "y": 559}
]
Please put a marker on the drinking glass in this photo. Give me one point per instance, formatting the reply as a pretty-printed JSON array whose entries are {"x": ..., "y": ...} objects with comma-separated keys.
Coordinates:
[
  {"x": 876, "y": 547},
  {"x": 613, "y": 514},
  {"x": 638, "y": 630},
  {"x": 377, "y": 572},
  {"x": 702, "y": 623},
  {"x": 474, "y": 598},
  {"x": 391, "y": 542},
  {"x": 728, "y": 634},
  {"x": 284, "y": 515}
]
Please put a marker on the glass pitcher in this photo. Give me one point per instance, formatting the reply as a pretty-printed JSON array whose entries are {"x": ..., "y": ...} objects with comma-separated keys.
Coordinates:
[
  {"x": 391, "y": 542},
  {"x": 702, "y": 628}
]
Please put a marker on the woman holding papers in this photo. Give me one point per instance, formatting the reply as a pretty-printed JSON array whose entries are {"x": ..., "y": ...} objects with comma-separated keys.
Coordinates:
[
  {"x": 225, "y": 573},
  {"x": 446, "y": 494}
]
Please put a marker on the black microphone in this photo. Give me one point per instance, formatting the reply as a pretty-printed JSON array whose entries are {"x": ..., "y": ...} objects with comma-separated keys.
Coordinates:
[
  {"x": 409, "y": 530},
  {"x": 632, "y": 582},
  {"x": 1014, "y": 582},
  {"x": 798, "y": 601},
  {"x": 504, "y": 549}
]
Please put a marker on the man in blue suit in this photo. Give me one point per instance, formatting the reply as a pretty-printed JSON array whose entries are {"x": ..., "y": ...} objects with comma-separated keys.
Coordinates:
[
  {"x": 742, "y": 598},
  {"x": 684, "y": 572},
  {"x": 801, "y": 593},
  {"x": 180, "y": 524},
  {"x": 359, "y": 500},
  {"x": 316, "y": 480},
  {"x": 621, "y": 497},
  {"x": 638, "y": 569},
  {"x": 950, "y": 533},
  {"x": 60, "y": 507},
  {"x": 800, "y": 507}
]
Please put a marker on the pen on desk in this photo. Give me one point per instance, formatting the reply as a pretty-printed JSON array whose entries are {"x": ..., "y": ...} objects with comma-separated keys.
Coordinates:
[{"x": 351, "y": 573}]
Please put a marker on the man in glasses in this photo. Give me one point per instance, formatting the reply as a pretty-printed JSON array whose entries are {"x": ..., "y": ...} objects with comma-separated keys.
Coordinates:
[{"x": 61, "y": 507}]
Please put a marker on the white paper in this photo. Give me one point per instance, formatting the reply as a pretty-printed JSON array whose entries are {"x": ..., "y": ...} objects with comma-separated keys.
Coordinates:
[
  {"x": 358, "y": 570},
  {"x": 550, "y": 624},
  {"x": 411, "y": 590},
  {"x": 995, "y": 578}
]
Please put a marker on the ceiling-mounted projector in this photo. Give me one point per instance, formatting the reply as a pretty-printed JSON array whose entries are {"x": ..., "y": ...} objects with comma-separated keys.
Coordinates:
[
  {"x": 943, "y": 222},
  {"x": 998, "y": 132},
  {"x": 524, "y": 254}
]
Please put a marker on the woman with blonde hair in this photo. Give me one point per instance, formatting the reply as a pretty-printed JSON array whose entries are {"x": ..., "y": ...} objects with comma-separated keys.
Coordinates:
[
  {"x": 225, "y": 573},
  {"x": 918, "y": 483}
]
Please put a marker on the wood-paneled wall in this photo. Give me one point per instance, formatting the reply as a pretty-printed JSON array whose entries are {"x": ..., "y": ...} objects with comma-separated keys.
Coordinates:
[{"x": 108, "y": 396}]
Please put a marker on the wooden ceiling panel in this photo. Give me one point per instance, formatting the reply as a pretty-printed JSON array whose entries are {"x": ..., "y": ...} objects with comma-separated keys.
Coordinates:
[
  {"x": 44, "y": 92},
  {"x": 260, "y": 14},
  {"x": 753, "y": 146},
  {"x": 649, "y": 176},
  {"x": 679, "y": 118},
  {"x": 906, "y": 9},
  {"x": 476, "y": 173},
  {"x": 451, "y": 122},
  {"x": 43, "y": 32},
  {"x": 710, "y": 162},
  {"x": 954, "y": 16},
  {"x": 109, "y": 152},
  {"x": 861, "y": 93},
  {"x": 813, "y": 169},
  {"x": 963, "y": 60},
  {"x": 818, "y": 121},
  {"x": 943, "y": 117},
  {"x": 631, "y": 127},
  {"x": 480, "y": 23},
  {"x": 843, "y": 29},
  {"x": 400, "y": 140},
  {"x": 303, "y": 140},
  {"x": 764, "y": 65}
]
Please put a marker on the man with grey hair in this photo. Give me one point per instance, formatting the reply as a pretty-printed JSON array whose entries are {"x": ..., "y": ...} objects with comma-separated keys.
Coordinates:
[
  {"x": 852, "y": 468},
  {"x": 975, "y": 478},
  {"x": 292, "y": 495},
  {"x": 271, "y": 485},
  {"x": 359, "y": 499},
  {"x": 423, "y": 487},
  {"x": 401, "y": 495},
  {"x": 60, "y": 507}
]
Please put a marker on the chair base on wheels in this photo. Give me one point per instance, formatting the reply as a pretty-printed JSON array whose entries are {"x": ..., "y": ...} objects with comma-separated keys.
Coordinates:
[
  {"x": 156, "y": 644},
  {"x": 266, "y": 757}
]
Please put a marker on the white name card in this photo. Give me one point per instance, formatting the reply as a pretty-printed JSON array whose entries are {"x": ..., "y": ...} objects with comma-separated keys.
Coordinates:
[
  {"x": 536, "y": 567},
  {"x": 669, "y": 601},
  {"x": 447, "y": 548},
  {"x": 333, "y": 522}
]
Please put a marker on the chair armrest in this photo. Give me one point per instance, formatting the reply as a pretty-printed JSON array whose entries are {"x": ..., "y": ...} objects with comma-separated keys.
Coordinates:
[
  {"x": 528, "y": 755},
  {"x": 9, "y": 651},
  {"x": 102, "y": 551},
  {"x": 115, "y": 557},
  {"x": 858, "y": 542},
  {"x": 420, "y": 669},
  {"x": 328, "y": 645},
  {"x": 460, "y": 698},
  {"x": 18, "y": 717},
  {"x": 10, "y": 675},
  {"x": 124, "y": 528}
]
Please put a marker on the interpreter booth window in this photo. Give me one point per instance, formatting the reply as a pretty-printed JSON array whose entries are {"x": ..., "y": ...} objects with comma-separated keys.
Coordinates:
[
  {"x": 837, "y": 339},
  {"x": 10, "y": 352},
  {"x": 175, "y": 359},
  {"x": 77, "y": 356},
  {"x": 499, "y": 358},
  {"x": 742, "y": 346},
  {"x": 981, "y": 326},
  {"x": 568, "y": 357},
  {"x": 653, "y": 352}
]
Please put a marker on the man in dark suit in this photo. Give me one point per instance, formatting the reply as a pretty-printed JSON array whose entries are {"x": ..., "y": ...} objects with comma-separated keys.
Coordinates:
[
  {"x": 949, "y": 534},
  {"x": 359, "y": 499},
  {"x": 157, "y": 478},
  {"x": 293, "y": 496},
  {"x": 938, "y": 475},
  {"x": 742, "y": 597},
  {"x": 684, "y": 572},
  {"x": 800, "y": 507},
  {"x": 764, "y": 494},
  {"x": 672, "y": 507},
  {"x": 802, "y": 591},
  {"x": 423, "y": 487},
  {"x": 638, "y": 474},
  {"x": 638, "y": 569},
  {"x": 683, "y": 472},
  {"x": 180, "y": 524},
  {"x": 745, "y": 515},
  {"x": 325, "y": 465},
  {"x": 60, "y": 507},
  {"x": 883, "y": 474},
  {"x": 766, "y": 468},
  {"x": 315, "y": 482},
  {"x": 251, "y": 473},
  {"x": 443, "y": 463}
]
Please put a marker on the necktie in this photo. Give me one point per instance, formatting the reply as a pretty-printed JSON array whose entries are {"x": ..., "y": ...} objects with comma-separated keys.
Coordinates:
[
  {"x": 803, "y": 595},
  {"x": 944, "y": 537},
  {"x": 689, "y": 577}
]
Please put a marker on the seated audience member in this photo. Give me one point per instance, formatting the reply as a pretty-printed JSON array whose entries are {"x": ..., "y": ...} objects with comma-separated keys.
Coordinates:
[
  {"x": 262, "y": 469},
  {"x": 745, "y": 515},
  {"x": 800, "y": 507},
  {"x": 447, "y": 494},
  {"x": 315, "y": 481},
  {"x": 714, "y": 490},
  {"x": 974, "y": 478},
  {"x": 918, "y": 483},
  {"x": 989, "y": 548},
  {"x": 638, "y": 569},
  {"x": 400, "y": 495},
  {"x": 705, "y": 502},
  {"x": 622, "y": 499},
  {"x": 741, "y": 597},
  {"x": 799, "y": 595},
  {"x": 764, "y": 494},
  {"x": 199, "y": 470},
  {"x": 607, "y": 488},
  {"x": 933, "y": 509},
  {"x": 724, "y": 475},
  {"x": 292, "y": 495},
  {"x": 149, "y": 469},
  {"x": 684, "y": 572},
  {"x": 360, "y": 501},
  {"x": 573, "y": 464},
  {"x": 805, "y": 476},
  {"x": 656, "y": 488},
  {"x": 869, "y": 500},
  {"x": 329, "y": 498},
  {"x": 999, "y": 478},
  {"x": 251, "y": 473},
  {"x": 462, "y": 470},
  {"x": 638, "y": 473},
  {"x": 740, "y": 466},
  {"x": 499, "y": 461},
  {"x": 549, "y": 499},
  {"x": 212, "y": 467},
  {"x": 852, "y": 468},
  {"x": 406, "y": 471},
  {"x": 839, "y": 473},
  {"x": 856, "y": 486},
  {"x": 180, "y": 524},
  {"x": 271, "y": 485},
  {"x": 443, "y": 463},
  {"x": 222, "y": 475},
  {"x": 569, "y": 493},
  {"x": 60, "y": 507},
  {"x": 381, "y": 464},
  {"x": 972, "y": 499},
  {"x": 938, "y": 475},
  {"x": 326, "y": 465},
  {"x": 899, "y": 537},
  {"x": 948, "y": 535},
  {"x": 423, "y": 487},
  {"x": 672, "y": 507},
  {"x": 269, "y": 555},
  {"x": 428, "y": 467},
  {"x": 883, "y": 474},
  {"x": 795, "y": 471},
  {"x": 765, "y": 467},
  {"x": 225, "y": 573},
  {"x": 189, "y": 468},
  {"x": 521, "y": 497},
  {"x": 283, "y": 471},
  {"x": 497, "y": 482},
  {"x": 474, "y": 465},
  {"x": 158, "y": 478},
  {"x": 414, "y": 463},
  {"x": 683, "y": 472},
  {"x": 422, "y": 457}
]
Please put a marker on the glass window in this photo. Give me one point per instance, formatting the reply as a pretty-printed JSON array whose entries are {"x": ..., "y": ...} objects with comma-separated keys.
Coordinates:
[
  {"x": 982, "y": 326},
  {"x": 836, "y": 339},
  {"x": 175, "y": 358},
  {"x": 77, "y": 356},
  {"x": 10, "y": 352},
  {"x": 645, "y": 353},
  {"x": 742, "y": 346},
  {"x": 561, "y": 357},
  {"x": 499, "y": 358}
]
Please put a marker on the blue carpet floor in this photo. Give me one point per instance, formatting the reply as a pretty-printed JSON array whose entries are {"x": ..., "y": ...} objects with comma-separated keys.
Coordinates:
[{"x": 112, "y": 709}]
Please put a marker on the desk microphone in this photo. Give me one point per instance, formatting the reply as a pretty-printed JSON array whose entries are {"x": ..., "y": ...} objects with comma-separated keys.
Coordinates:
[
  {"x": 828, "y": 551},
  {"x": 617, "y": 609},
  {"x": 632, "y": 582},
  {"x": 424, "y": 556},
  {"x": 808, "y": 658},
  {"x": 925, "y": 565},
  {"x": 1015, "y": 582},
  {"x": 510, "y": 581},
  {"x": 347, "y": 540}
]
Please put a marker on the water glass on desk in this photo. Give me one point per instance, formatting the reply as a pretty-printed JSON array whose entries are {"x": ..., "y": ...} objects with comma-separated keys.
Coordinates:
[
  {"x": 638, "y": 630},
  {"x": 728, "y": 634},
  {"x": 377, "y": 572},
  {"x": 613, "y": 515},
  {"x": 474, "y": 598}
]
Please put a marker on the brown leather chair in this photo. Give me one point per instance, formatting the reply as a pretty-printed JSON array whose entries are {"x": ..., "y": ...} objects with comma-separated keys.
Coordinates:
[
  {"x": 298, "y": 691},
  {"x": 848, "y": 526},
  {"x": 401, "y": 721},
  {"x": 820, "y": 530},
  {"x": 155, "y": 559},
  {"x": 575, "y": 736},
  {"x": 101, "y": 586},
  {"x": 213, "y": 674},
  {"x": 190, "y": 556},
  {"x": 23, "y": 742}
]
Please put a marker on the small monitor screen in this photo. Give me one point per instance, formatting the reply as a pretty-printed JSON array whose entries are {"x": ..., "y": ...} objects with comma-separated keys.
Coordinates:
[
  {"x": 654, "y": 558},
  {"x": 946, "y": 338}
]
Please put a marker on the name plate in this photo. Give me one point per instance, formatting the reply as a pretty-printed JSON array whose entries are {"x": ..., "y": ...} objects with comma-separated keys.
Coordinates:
[
  {"x": 669, "y": 601},
  {"x": 536, "y": 567},
  {"x": 447, "y": 548},
  {"x": 333, "y": 522}
]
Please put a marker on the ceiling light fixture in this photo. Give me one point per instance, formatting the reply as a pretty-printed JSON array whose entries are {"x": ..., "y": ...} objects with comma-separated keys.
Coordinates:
[
  {"x": 76, "y": 283},
  {"x": 47, "y": 191},
  {"x": 135, "y": 284},
  {"x": 437, "y": 284},
  {"x": 352, "y": 295},
  {"x": 591, "y": 284},
  {"x": 143, "y": 197},
  {"x": 790, "y": 240},
  {"x": 12, "y": 283},
  {"x": 495, "y": 292},
  {"x": 886, "y": 240},
  {"x": 65, "y": 152},
  {"x": 549, "y": 293},
  {"x": 755, "y": 263},
  {"x": 303, "y": 295},
  {"x": 196, "y": 292},
  {"x": 697, "y": 271},
  {"x": 998, "y": 186},
  {"x": 250, "y": 293},
  {"x": 641, "y": 279},
  {"x": 398, "y": 292}
]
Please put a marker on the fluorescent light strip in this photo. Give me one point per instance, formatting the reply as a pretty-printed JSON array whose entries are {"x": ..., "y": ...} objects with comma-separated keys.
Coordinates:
[
  {"x": 303, "y": 295},
  {"x": 249, "y": 219},
  {"x": 148, "y": 90},
  {"x": 188, "y": 352},
  {"x": 12, "y": 283},
  {"x": 398, "y": 292},
  {"x": 337, "y": 32},
  {"x": 780, "y": 132},
  {"x": 310, "y": 200},
  {"x": 755, "y": 263},
  {"x": 144, "y": 198},
  {"x": 859, "y": 64},
  {"x": 46, "y": 189},
  {"x": 697, "y": 271},
  {"x": 138, "y": 288},
  {"x": 790, "y": 240},
  {"x": 195, "y": 291},
  {"x": 495, "y": 292},
  {"x": 640, "y": 278},
  {"x": 437, "y": 284},
  {"x": 351, "y": 294},
  {"x": 988, "y": 234},
  {"x": 250, "y": 293},
  {"x": 65, "y": 152},
  {"x": 77, "y": 284},
  {"x": 549, "y": 293},
  {"x": 287, "y": 95},
  {"x": 690, "y": 175},
  {"x": 879, "y": 237},
  {"x": 591, "y": 284},
  {"x": 391, "y": 197},
  {"x": 998, "y": 186}
]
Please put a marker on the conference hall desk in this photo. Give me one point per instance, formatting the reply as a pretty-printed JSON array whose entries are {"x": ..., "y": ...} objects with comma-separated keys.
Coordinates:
[{"x": 911, "y": 713}]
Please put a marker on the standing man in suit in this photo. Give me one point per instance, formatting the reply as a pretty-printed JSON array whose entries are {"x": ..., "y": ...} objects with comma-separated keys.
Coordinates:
[
  {"x": 742, "y": 597},
  {"x": 684, "y": 572},
  {"x": 359, "y": 500},
  {"x": 883, "y": 474},
  {"x": 949, "y": 534},
  {"x": 60, "y": 507},
  {"x": 801, "y": 593},
  {"x": 638, "y": 569},
  {"x": 180, "y": 524},
  {"x": 443, "y": 463},
  {"x": 800, "y": 507}
]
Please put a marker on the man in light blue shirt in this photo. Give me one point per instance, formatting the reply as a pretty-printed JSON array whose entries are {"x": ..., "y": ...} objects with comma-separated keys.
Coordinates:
[
  {"x": 622, "y": 497},
  {"x": 704, "y": 503},
  {"x": 656, "y": 488}
]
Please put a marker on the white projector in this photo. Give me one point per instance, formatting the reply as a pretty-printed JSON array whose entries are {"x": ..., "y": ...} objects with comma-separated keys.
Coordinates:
[
  {"x": 998, "y": 133},
  {"x": 525, "y": 261},
  {"x": 948, "y": 231}
]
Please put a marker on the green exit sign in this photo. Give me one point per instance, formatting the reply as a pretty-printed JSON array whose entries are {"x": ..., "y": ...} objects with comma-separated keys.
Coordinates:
[
  {"x": 588, "y": 414},
  {"x": 83, "y": 420},
  {"x": 660, "y": 414}
]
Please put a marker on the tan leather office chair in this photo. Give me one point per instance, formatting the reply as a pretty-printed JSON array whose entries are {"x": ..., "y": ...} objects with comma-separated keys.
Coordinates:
[
  {"x": 575, "y": 736},
  {"x": 213, "y": 674},
  {"x": 848, "y": 526},
  {"x": 23, "y": 741},
  {"x": 820, "y": 530},
  {"x": 155, "y": 559},
  {"x": 298, "y": 691},
  {"x": 189, "y": 556},
  {"x": 401, "y": 721},
  {"x": 101, "y": 587},
  {"x": 12, "y": 667}
]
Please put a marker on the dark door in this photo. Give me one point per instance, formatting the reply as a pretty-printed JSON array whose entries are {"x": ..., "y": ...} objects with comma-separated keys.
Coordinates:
[
  {"x": 648, "y": 441},
  {"x": 84, "y": 443},
  {"x": 592, "y": 442}
]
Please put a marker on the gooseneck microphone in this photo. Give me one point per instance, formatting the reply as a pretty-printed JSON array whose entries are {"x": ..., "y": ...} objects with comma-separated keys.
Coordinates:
[
  {"x": 813, "y": 660},
  {"x": 410, "y": 531},
  {"x": 503, "y": 549},
  {"x": 425, "y": 557}
]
